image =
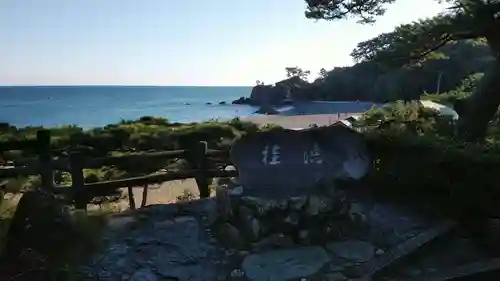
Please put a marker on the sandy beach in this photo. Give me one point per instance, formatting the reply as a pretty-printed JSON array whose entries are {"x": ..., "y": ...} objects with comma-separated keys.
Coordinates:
[{"x": 299, "y": 121}]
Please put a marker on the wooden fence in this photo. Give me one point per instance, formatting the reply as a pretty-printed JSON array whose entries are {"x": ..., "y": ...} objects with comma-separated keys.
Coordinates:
[{"x": 81, "y": 193}]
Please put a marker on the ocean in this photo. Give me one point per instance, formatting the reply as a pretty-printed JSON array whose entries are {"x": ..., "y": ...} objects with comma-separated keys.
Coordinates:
[{"x": 95, "y": 106}]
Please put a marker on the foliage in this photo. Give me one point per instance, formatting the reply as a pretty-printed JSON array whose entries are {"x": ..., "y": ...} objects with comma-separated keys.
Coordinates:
[
  {"x": 417, "y": 159},
  {"x": 465, "y": 19},
  {"x": 335, "y": 10},
  {"x": 297, "y": 72},
  {"x": 410, "y": 44},
  {"x": 463, "y": 90},
  {"x": 407, "y": 61},
  {"x": 383, "y": 82},
  {"x": 148, "y": 134},
  {"x": 410, "y": 119}
]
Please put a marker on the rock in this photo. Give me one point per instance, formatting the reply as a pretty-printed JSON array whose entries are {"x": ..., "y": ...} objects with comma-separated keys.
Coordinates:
[
  {"x": 271, "y": 164},
  {"x": 237, "y": 273},
  {"x": 325, "y": 204},
  {"x": 121, "y": 223},
  {"x": 283, "y": 265},
  {"x": 259, "y": 205},
  {"x": 304, "y": 237},
  {"x": 312, "y": 207},
  {"x": 356, "y": 213},
  {"x": 273, "y": 241},
  {"x": 267, "y": 110},
  {"x": 144, "y": 274},
  {"x": 344, "y": 150},
  {"x": 243, "y": 253},
  {"x": 223, "y": 202},
  {"x": 292, "y": 219},
  {"x": 250, "y": 226},
  {"x": 222, "y": 102},
  {"x": 336, "y": 276},
  {"x": 235, "y": 180},
  {"x": 160, "y": 210},
  {"x": 236, "y": 191},
  {"x": 208, "y": 103},
  {"x": 243, "y": 100},
  {"x": 41, "y": 224},
  {"x": 230, "y": 168},
  {"x": 353, "y": 250},
  {"x": 177, "y": 250},
  {"x": 491, "y": 238},
  {"x": 281, "y": 205},
  {"x": 268, "y": 94},
  {"x": 203, "y": 206},
  {"x": 297, "y": 203},
  {"x": 411, "y": 271},
  {"x": 286, "y": 163},
  {"x": 335, "y": 268},
  {"x": 230, "y": 252},
  {"x": 330, "y": 190},
  {"x": 281, "y": 92},
  {"x": 230, "y": 236}
]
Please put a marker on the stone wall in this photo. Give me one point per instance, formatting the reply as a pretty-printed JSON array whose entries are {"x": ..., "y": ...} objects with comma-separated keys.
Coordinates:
[{"x": 249, "y": 222}]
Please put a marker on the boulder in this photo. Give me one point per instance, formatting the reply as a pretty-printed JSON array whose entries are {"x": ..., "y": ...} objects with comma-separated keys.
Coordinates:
[
  {"x": 243, "y": 100},
  {"x": 353, "y": 250},
  {"x": 40, "y": 234},
  {"x": 298, "y": 89},
  {"x": 41, "y": 223},
  {"x": 282, "y": 92},
  {"x": 289, "y": 162},
  {"x": 269, "y": 94},
  {"x": 267, "y": 109},
  {"x": 289, "y": 264}
]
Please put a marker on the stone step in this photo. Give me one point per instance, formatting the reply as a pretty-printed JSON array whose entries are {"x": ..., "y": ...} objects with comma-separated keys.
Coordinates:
[
  {"x": 470, "y": 270},
  {"x": 453, "y": 257},
  {"x": 400, "y": 251}
]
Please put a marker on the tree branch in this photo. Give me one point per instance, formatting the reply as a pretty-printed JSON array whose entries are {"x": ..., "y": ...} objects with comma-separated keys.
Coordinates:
[{"x": 366, "y": 10}]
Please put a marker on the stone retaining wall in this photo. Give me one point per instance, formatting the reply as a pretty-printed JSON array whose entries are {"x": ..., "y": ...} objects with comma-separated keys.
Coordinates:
[{"x": 248, "y": 222}]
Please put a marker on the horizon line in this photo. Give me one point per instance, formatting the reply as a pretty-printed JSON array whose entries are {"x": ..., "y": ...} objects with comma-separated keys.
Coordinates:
[{"x": 115, "y": 85}]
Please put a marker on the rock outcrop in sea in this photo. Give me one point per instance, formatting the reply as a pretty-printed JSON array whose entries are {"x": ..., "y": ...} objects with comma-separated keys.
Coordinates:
[{"x": 280, "y": 93}]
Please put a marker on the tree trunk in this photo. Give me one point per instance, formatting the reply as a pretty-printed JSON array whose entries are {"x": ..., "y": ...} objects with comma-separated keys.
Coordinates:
[
  {"x": 480, "y": 108},
  {"x": 131, "y": 199},
  {"x": 144, "y": 196}
]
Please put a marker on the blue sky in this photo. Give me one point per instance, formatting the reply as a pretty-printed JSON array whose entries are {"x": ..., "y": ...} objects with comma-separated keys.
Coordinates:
[{"x": 167, "y": 42}]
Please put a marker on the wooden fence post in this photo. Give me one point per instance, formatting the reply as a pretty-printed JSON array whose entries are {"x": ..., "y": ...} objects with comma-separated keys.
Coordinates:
[
  {"x": 45, "y": 159},
  {"x": 131, "y": 197},
  {"x": 200, "y": 164},
  {"x": 78, "y": 181}
]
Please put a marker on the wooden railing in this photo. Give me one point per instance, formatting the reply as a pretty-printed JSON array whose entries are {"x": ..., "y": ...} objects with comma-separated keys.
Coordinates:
[{"x": 81, "y": 193}]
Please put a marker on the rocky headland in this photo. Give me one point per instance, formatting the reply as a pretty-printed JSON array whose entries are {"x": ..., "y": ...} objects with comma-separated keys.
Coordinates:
[{"x": 280, "y": 93}]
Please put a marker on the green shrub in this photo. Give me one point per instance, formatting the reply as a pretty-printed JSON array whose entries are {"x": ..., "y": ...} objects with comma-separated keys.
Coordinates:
[{"x": 415, "y": 156}]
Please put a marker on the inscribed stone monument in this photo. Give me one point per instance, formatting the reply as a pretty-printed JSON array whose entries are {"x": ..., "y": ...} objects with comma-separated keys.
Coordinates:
[{"x": 283, "y": 163}]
